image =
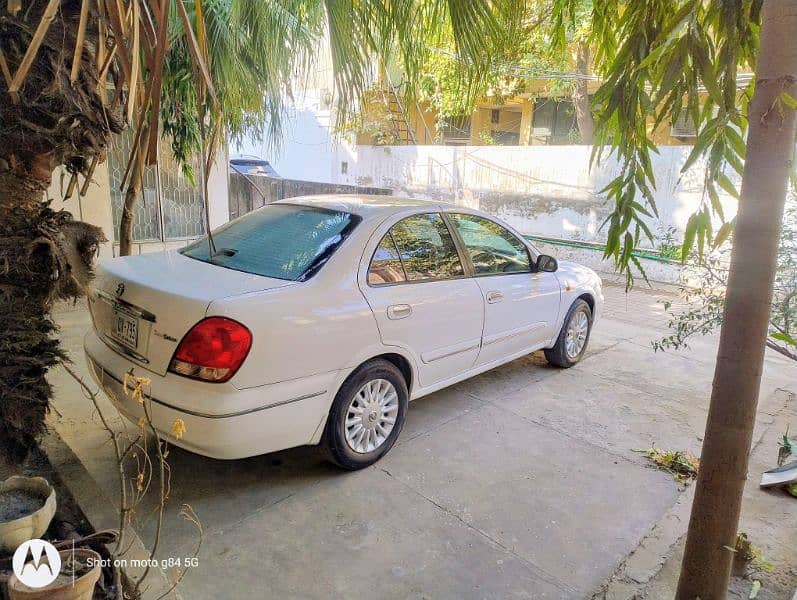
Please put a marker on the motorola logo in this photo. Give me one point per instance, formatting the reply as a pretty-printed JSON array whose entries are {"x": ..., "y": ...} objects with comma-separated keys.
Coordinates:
[{"x": 36, "y": 563}]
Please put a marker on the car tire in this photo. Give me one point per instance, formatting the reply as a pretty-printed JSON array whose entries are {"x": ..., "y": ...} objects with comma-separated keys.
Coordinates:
[
  {"x": 378, "y": 391},
  {"x": 573, "y": 339}
]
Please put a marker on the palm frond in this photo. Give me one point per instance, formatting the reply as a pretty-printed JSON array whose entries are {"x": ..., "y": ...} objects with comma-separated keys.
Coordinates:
[{"x": 184, "y": 67}]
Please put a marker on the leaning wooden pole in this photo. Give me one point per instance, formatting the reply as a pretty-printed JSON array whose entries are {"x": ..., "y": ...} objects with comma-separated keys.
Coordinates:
[{"x": 706, "y": 567}]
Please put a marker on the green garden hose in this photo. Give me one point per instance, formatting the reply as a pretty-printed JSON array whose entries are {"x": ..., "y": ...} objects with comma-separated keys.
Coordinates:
[{"x": 648, "y": 255}]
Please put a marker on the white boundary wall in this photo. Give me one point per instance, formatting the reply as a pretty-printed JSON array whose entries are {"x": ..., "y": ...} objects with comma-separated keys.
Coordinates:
[{"x": 540, "y": 190}]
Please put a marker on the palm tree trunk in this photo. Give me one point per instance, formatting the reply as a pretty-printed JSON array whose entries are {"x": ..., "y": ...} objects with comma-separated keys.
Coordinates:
[
  {"x": 44, "y": 256},
  {"x": 584, "y": 119},
  {"x": 26, "y": 346},
  {"x": 723, "y": 465},
  {"x": 28, "y": 274},
  {"x": 59, "y": 115}
]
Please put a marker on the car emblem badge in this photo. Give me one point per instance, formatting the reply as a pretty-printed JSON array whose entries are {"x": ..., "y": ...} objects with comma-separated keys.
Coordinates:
[{"x": 120, "y": 289}]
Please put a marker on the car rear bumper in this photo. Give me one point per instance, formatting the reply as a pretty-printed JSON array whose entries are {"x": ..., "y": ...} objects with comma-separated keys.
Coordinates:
[{"x": 220, "y": 421}]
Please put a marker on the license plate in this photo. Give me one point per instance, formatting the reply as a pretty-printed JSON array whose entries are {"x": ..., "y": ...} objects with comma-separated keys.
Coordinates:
[{"x": 125, "y": 328}]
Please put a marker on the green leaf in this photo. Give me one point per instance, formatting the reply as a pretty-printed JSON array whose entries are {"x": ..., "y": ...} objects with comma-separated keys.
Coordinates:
[
  {"x": 726, "y": 184},
  {"x": 640, "y": 268},
  {"x": 702, "y": 234},
  {"x": 689, "y": 236},
  {"x": 724, "y": 233},
  {"x": 783, "y": 337},
  {"x": 788, "y": 100},
  {"x": 641, "y": 209},
  {"x": 707, "y": 74},
  {"x": 644, "y": 227},
  {"x": 734, "y": 161},
  {"x": 716, "y": 204},
  {"x": 704, "y": 141},
  {"x": 736, "y": 141}
]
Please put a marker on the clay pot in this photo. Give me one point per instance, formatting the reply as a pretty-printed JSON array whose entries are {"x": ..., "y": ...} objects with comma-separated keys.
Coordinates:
[
  {"x": 32, "y": 526},
  {"x": 62, "y": 588}
]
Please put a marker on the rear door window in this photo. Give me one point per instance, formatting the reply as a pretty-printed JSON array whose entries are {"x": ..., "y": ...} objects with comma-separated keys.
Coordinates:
[
  {"x": 426, "y": 248},
  {"x": 284, "y": 241}
]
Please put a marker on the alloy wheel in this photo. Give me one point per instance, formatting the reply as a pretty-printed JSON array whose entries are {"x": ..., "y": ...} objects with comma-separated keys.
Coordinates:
[
  {"x": 371, "y": 416},
  {"x": 576, "y": 336}
]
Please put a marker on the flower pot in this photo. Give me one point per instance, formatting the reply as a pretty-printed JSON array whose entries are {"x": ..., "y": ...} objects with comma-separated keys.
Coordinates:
[
  {"x": 27, "y": 526},
  {"x": 64, "y": 588}
]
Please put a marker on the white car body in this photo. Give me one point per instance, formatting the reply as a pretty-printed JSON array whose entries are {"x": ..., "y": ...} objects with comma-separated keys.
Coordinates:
[{"x": 309, "y": 336}]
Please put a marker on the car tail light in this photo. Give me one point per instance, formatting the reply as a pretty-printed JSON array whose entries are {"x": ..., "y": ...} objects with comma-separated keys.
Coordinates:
[{"x": 212, "y": 350}]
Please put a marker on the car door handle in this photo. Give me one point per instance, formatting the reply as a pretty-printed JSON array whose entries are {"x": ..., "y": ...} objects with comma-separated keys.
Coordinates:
[
  {"x": 494, "y": 297},
  {"x": 399, "y": 311}
]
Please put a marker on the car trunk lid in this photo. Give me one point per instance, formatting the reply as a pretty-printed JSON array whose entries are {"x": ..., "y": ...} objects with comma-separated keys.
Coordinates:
[{"x": 142, "y": 306}]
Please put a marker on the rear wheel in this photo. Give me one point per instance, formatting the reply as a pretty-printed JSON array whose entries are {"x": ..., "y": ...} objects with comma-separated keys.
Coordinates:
[
  {"x": 572, "y": 342},
  {"x": 367, "y": 415}
]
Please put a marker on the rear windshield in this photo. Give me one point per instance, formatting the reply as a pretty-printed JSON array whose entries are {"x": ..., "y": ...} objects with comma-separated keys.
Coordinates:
[{"x": 284, "y": 241}]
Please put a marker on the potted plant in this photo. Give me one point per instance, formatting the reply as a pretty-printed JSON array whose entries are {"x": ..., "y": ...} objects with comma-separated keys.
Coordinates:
[
  {"x": 27, "y": 505},
  {"x": 80, "y": 571}
]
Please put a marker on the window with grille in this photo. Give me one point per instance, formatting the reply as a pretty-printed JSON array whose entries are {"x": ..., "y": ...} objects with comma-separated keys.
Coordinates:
[{"x": 176, "y": 213}]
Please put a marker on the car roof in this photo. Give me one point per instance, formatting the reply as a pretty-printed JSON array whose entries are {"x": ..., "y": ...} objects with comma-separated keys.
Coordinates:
[
  {"x": 247, "y": 157},
  {"x": 366, "y": 206}
]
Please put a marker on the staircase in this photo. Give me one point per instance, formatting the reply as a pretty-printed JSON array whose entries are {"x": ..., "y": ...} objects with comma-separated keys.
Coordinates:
[{"x": 400, "y": 123}]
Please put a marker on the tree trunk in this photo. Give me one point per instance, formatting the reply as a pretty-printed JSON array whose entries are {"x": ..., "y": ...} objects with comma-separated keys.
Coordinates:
[
  {"x": 26, "y": 348},
  {"x": 60, "y": 114},
  {"x": 44, "y": 255},
  {"x": 584, "y": 119},
  {"x": 127, "y": 221},
  {"x": 128, "y": 218},
  {"x": 729, "y": 429}
]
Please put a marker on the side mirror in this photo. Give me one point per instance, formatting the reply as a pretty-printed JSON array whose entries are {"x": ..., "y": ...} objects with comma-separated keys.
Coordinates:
[{"x": 545, "y": 264}]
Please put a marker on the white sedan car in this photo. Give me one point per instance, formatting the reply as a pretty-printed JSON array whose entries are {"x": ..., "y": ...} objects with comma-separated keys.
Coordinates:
[{"x": 315, "y": 320}]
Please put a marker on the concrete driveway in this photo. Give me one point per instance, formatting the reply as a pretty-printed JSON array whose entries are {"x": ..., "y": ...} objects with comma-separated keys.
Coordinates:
[{"x": 520, "y": 483}]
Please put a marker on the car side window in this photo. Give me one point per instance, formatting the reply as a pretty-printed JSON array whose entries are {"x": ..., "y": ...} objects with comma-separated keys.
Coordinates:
[
  {"x": 426, "y": 248},
  {"x": 492, "y": 249},
  {"x": 386, "y": 265}
]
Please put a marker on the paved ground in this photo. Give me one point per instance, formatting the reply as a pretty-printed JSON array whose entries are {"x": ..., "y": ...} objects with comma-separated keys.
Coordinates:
[{"x": 520, "y": 483}]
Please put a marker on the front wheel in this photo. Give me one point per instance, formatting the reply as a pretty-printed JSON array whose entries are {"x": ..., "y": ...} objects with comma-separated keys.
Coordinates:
[
  {"x": 366, "y": 416},
  {"x": 571, "y": 344}
]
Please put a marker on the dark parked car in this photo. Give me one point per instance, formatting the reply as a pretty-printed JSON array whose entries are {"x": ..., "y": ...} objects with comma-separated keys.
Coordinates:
[{"x": 252, "y": 165}]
